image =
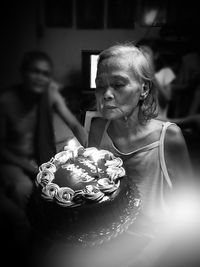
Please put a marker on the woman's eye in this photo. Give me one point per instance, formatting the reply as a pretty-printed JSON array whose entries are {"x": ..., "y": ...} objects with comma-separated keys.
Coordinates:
[{"x": 118, "y": 85}]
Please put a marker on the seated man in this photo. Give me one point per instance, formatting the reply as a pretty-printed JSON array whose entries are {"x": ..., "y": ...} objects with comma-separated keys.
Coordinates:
[{"x": 27, "y": 137}]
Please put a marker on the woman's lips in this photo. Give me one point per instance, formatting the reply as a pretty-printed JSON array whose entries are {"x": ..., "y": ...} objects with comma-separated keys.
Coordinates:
[{"x": 109, "y": 107}]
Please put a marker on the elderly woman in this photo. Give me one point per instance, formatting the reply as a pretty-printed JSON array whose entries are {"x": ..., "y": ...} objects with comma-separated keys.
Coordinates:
[
  {"x": 154, "y": 153},
  {"x": 126, "y": 99}
]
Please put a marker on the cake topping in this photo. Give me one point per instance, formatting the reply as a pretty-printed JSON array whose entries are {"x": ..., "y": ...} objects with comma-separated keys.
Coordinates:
[
  {"x": 62, "y": 157},
  {"x": 44, "y": 177},
  {"x": 64, "y": 196},
  {"x": 107, "y": 186},
  {"x": 48, "y": 166},
  {"x": 50, "y": 190},
  {"x": 84, "y": 197},
  {"x": 87, "y": 174}
]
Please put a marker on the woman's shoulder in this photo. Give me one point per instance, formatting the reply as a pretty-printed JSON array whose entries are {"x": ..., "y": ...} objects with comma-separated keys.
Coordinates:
[
  {"x": 155, "y": 126},
  {"x": 173, "y": 137},
  {"x": 159, "y": 124},
  {"x": 172, "y": 132},
  {"x": 176, "y": 153}
]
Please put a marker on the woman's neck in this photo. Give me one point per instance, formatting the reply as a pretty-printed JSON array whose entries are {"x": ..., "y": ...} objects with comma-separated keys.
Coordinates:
[
  {"x": 126, "y": 135},
  {"x": 134, "y": 136},
  {"x": 127, "y": 126}
]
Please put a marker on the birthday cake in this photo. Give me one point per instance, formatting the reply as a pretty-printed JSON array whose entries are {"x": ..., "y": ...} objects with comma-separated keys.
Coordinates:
[{"x": 83, "y": 196}]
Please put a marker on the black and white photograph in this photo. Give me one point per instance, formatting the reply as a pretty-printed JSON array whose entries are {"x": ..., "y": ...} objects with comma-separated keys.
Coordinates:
[{"x": 100, "y": 133}]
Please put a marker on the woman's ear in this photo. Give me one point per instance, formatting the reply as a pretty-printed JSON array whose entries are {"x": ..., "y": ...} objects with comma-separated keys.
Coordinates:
[{"x": 144, "y": 91}]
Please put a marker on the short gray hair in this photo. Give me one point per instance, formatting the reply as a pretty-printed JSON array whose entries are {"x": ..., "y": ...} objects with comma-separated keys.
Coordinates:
[{"x": 143, "y": 71}]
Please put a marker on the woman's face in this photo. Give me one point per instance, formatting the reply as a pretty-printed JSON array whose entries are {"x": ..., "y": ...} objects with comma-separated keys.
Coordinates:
[{"x": 117, "y": 89}]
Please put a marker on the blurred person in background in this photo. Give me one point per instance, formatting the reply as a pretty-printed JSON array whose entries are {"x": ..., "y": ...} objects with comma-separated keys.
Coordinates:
[{"x": 29, "y": 133}]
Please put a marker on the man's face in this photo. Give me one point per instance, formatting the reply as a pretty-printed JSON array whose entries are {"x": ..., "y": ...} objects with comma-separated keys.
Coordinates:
[{"x": 38, "y": 76}]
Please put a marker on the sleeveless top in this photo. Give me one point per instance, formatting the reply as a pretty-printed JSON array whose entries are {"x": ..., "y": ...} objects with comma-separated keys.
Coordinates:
[{"x": 146, "y": 168}]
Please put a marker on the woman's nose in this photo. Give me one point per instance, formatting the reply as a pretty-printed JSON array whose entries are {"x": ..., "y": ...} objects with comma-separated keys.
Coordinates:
[{"x": 108, "y": 94}]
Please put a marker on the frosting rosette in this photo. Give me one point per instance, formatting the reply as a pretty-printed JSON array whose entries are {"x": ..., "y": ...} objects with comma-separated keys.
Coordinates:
[
  {"x": 44, "y": 177},
  {"x": 115, "y": 172},
  {"x": 116, "y": 162},
  {"x": 64, "y": 196},
  {"x": 62, "y": 157},
  {"x": 78, "y": 197},
  {"x": 48, "y": 166},
  {"x": 105, "y": 154},
  {"x": 92, "y": 193},
  {"x": 49, "y": 191},
  {"x": 107, "y": 186}
]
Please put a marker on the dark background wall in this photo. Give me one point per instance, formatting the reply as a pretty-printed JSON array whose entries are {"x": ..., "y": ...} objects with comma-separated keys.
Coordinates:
[{"x": 63, "y": 30}]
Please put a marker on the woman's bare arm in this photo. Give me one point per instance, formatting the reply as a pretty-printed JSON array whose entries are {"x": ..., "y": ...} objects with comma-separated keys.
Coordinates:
[{"x": 177, "y": 158}]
